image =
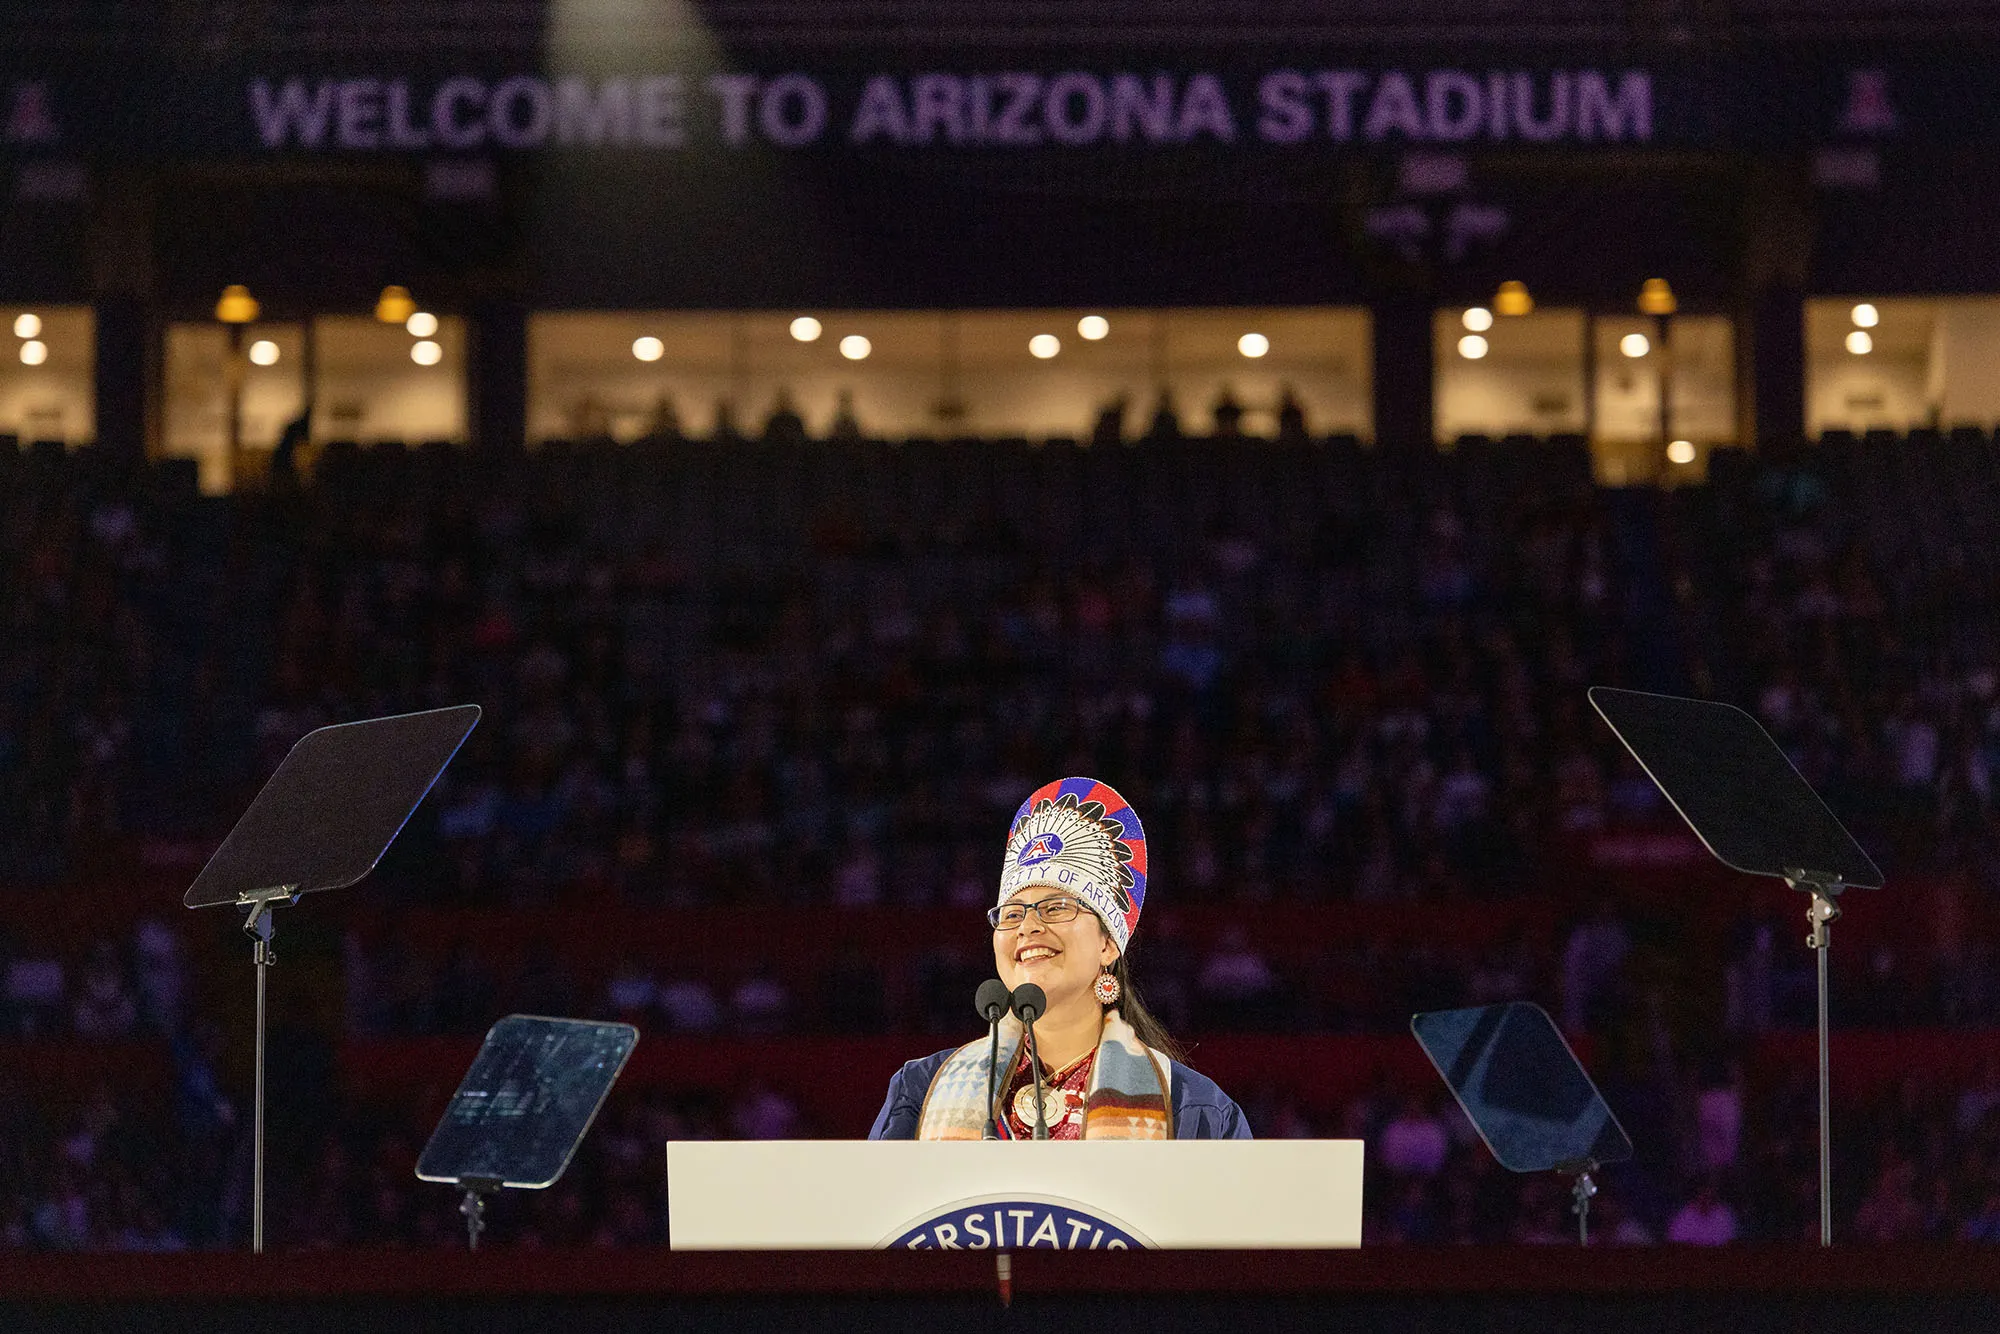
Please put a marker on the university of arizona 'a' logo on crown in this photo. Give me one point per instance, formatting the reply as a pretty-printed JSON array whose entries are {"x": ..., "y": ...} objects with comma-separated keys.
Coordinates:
[
  {"x": 1081, "y": 836},
  {"x": 1040, "y": 848}
]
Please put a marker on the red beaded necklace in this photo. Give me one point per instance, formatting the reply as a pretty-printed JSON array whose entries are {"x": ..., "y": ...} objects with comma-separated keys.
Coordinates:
[{"x": 1062, "y": 1103}]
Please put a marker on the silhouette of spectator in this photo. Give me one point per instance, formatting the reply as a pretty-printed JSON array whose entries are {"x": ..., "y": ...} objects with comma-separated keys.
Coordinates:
[
  {"x": 664, "y": 421},
  {"x": 785, "y": 426},
  {"x": 1109, "y": 429},
  {"x": 846, "y": 426},
  {"x": 1291, "y": 417},
  {"x": 1228, "y": 414}
]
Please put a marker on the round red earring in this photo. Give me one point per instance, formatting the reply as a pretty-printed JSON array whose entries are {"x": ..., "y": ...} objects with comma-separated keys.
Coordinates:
[{"x": 1106, "y": 989}]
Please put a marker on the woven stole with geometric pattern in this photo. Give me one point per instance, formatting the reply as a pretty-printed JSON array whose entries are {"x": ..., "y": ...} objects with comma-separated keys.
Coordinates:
[{"x": 1126, "y": 1099}]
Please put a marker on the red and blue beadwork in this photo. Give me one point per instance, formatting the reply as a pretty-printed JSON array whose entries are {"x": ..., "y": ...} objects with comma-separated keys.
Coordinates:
[{"x": 1080, "y": 835}]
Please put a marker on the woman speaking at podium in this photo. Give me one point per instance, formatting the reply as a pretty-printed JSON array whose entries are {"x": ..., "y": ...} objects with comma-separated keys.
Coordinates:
[{"x": 1071, "y": 890}]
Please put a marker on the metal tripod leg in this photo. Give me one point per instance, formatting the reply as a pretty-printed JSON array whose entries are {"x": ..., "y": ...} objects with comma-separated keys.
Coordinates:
[
  {"x": 261, "y": 926},
  {"x": 1819, "y": 939},
  {"x": 1580, "y": 1192}
]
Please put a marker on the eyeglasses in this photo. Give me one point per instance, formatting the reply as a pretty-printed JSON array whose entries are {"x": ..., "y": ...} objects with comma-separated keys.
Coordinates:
[{"x": 1053, "y": 912}]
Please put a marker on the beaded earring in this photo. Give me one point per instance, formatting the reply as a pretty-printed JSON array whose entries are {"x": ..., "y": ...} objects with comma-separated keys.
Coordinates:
[{"x": 1106, "y": 988}]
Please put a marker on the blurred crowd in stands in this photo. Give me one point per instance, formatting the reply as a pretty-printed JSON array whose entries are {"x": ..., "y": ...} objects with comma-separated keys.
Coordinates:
[
  {"x": 800, "y": 678},
  {"x": 1718, "y": 1162}
]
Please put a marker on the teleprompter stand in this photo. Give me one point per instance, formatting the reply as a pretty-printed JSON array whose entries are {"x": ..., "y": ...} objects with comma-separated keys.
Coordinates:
[
  {"x": 1526, "y": 1094},
  {"x": 522, "y": 1108},
  {"x": 323, "y": 821},
  {"x": 1757, "y": 814}
]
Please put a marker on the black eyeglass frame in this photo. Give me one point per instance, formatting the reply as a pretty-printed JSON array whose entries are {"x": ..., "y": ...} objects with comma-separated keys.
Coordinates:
[{"x": 1075, "y": 905}]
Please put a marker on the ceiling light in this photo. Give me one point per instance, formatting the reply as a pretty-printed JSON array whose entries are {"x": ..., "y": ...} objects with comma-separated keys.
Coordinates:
[
  {"x": 1093, "y": 327},
  {"x": 648, "y": 348},
  {"x": 1511, "y": 298},
  {"x": 1253, "y": 345},
  {"x": 426, "y": 353},
  {"x": 1656, "y": 297},
  {"x": 34, "y": 352},
  {"x": 1860, "y": 343},
  {"x": 1865, "y": 316},
  {"x": 1635, "y": 345},
  {"x": 264, "y": 352},
  {"x": 1478, "y": 319},
  {"x": 1472, "y": 347},
  {"x": 236, "y": 306},
  {"x": 395, "y": 305},
  {"x": 854, "y": 347},
  {"x": 27, "y": 326},
  {"x": 423, "y": 324},
  {"x": 1044, "y": 345},
  {"x": 1681, "y": 451},
  {"x": 806, "y": 329}
]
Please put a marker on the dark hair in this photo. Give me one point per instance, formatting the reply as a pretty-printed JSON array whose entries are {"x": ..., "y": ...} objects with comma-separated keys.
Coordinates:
[{"x": 1133, "y": 1010}]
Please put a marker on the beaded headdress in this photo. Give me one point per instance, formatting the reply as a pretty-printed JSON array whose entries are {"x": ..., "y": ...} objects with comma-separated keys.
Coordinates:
[{"x": 1079, "y": 835}]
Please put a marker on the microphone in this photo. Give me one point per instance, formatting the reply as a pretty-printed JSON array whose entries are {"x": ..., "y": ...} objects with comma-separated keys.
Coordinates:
[
  {"x": 1030, "y": 1002},
  {"x": 992, "y": 1001}
]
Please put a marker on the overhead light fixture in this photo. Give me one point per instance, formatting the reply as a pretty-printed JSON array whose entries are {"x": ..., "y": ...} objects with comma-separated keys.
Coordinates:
[
  {"x": 1472, "y": 347},
  {"x": 1656, "y": 297},
  {"x": 1512, "y": 298},
  {"x": 263, "y": 352},
  {"x": 34, "y": 352},
  {"x": 422, "y": 324},
  {"x": 1477, "y": 318},
  {"x": 1253, "y": 345},
  {"x": 395, "y": 305},
  {"x": 1093, "y": 327},
  {"x": 1681, "y": 452},
  {"x": 807, "y": 329},
  {"x": 426, "y": 353},
  {"x": 27, "y": 325},
  {"x": 855, "y": 348},
  {"x": 1864, "y": 313},
  {"x": 648, "y": 348},
  {"x": 1044, "y": 345},
  {"x": 237, "y": 306},
  {"x": 1635, "y": 345},
  {"x": 1860, "y": 342}
]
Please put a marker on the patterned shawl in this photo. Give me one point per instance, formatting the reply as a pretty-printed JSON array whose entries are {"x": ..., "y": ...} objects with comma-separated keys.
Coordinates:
[{"x": 1126, "y": 1099}]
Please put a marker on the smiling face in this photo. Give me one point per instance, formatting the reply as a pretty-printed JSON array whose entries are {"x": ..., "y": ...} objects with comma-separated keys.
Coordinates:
[{"x": 1063, "y": 960}]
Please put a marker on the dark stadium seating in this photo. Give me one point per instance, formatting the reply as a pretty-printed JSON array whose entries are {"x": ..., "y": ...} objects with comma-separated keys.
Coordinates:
[{"x": 786, "y": 694}]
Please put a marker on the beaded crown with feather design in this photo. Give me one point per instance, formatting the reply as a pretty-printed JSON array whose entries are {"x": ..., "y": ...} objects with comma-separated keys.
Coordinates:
[{"x": 1080, "y": 835}]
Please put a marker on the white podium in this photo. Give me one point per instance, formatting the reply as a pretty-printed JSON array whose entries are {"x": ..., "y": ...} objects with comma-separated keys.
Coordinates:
[{"x": 997, "y": 1195}]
